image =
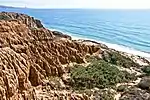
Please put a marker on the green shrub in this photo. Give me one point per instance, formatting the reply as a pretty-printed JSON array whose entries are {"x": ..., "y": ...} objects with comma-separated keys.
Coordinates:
[
  {"x": 146, "y": 69},
  {"x": 107, "y": 95},
  {"x": 98, "y": 74},
  {"x": 118, "y": 59},
  {"x": 3, "y": 17},
  {"x": 92, "y": 58}
]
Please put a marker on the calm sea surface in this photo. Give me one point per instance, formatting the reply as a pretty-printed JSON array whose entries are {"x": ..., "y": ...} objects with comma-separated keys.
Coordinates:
[{"x": 121, "y": 28}]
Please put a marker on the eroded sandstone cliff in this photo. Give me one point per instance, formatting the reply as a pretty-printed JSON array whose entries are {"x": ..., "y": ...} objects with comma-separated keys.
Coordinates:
[{"x": 29, "y": 54}]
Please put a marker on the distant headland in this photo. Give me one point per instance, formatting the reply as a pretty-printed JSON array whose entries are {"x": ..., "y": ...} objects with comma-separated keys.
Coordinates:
[{"x": 3, "y": 6}]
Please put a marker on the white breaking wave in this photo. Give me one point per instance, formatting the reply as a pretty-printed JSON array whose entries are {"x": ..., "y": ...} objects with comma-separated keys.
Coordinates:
[
  {"x": 128, "y": 50},
  {"x": 113, "y": 46}
]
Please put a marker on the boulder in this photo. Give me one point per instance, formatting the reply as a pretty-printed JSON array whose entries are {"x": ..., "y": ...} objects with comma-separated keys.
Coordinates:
[
  {"x": 144, "y": 83},
  {"x": 60, "y": 34}
]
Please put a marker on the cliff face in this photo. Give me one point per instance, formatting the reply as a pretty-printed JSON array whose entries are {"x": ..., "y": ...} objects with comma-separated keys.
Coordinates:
[{"x": 30, "y": 53}]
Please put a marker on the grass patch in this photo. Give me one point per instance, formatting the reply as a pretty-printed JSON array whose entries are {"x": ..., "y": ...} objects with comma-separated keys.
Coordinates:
[{"x": 98, "y": 74}]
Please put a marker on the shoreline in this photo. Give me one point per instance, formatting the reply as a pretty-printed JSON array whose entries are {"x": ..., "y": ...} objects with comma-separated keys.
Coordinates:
[{"x": 116, "y": 47}]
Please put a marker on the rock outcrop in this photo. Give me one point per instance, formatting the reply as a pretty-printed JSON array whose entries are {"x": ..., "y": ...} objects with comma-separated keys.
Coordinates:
[
  {"x": 145, "y": 83},
  {"x": 29, "y": 54},
  {"x": 29, "y": 21}
]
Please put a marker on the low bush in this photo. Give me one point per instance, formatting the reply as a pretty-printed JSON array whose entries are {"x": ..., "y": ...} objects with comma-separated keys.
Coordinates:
[
  {"x": 99, "y": 74},
  {"x": 146, "y": 69},
  {"x": 118, "y": 59}
]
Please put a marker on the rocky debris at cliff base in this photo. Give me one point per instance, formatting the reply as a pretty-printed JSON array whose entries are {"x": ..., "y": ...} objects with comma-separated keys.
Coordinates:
[
  {"x": 145, "y": 83},
  {"x": 135, "y": 93}
]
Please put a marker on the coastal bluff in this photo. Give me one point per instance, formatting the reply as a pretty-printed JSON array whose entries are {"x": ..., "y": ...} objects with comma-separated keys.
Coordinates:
[
  {"x": 30, "y": 53},
  {"x": 37, "y": 63}
]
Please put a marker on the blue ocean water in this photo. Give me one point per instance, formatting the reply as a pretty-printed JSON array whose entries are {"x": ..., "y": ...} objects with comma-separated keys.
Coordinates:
[{"x": 124, "y": 28}]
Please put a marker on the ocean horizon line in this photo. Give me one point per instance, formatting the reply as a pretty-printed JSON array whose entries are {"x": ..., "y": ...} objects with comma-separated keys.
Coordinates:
[{"x": 67, "y": 8}]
